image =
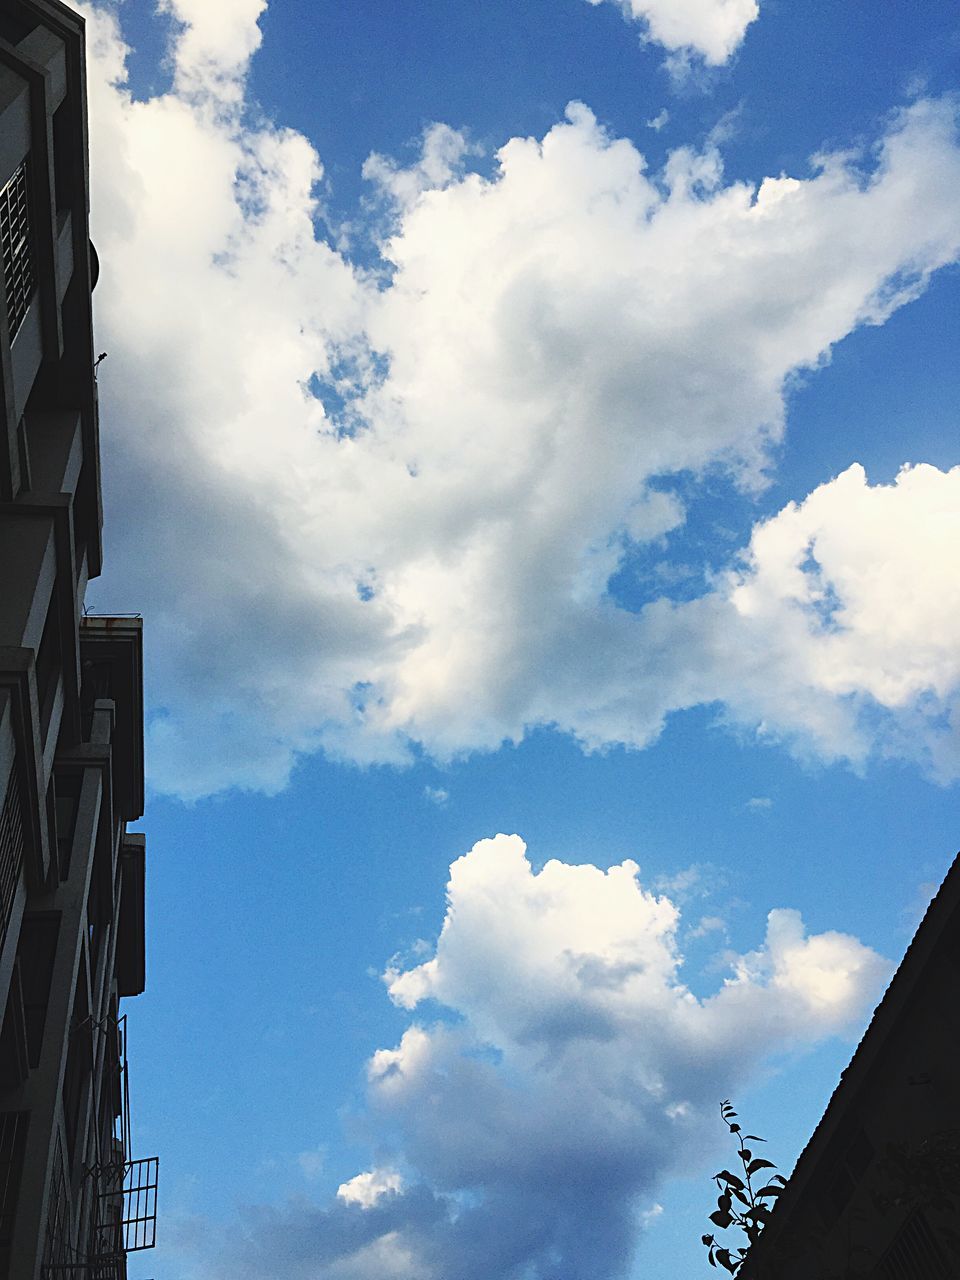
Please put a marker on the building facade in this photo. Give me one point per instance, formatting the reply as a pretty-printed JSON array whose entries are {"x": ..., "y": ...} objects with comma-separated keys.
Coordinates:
[
  {"x": 73, "y": 1201},
  {"x": 875, "y": 1194}
]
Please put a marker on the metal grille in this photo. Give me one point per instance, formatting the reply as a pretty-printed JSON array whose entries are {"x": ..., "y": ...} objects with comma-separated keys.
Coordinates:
[
  {"x": 16, "y": 242},
  {"x": 115, "y": 1095},
  {"x": 914, "y": 1254},
  {"x": 89, "y": 1269},
  {"x": 140, "y": 1204},
  {"x": 127, "y": 1211},
  {"x": 11, "y": 850}
]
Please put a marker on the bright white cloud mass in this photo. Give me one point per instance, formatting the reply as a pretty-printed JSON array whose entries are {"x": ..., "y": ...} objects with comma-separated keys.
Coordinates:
[
  {"x": 711, "y": 28},
  {"x": 509, "y": 400},
  {"x": 590, "y": 1070}
]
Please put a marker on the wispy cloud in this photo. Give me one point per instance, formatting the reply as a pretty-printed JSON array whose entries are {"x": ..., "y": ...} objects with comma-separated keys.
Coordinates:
[
  {"x": 312, "y": 1163},
  {"x": 436, "y": 795},
  {"x": 759, "y": 804},
  {"x": 706, "y": 926}
]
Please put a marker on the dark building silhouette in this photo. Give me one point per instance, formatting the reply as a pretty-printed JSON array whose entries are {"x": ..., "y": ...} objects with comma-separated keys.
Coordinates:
[
  {"x": 72, "y": 1199},
  {"x": 875, "y": 1194}
]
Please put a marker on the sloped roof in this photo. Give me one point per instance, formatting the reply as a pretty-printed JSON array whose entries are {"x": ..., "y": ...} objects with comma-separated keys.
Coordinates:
[{"x": 941, "y": 916}]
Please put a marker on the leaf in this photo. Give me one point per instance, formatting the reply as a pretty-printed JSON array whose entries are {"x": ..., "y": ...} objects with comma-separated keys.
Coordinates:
[
  {"x": 720, "y": 1218},
  {"x": 740, "y": 1196},
  {"x": 746, "y": 1155},
  {"x": 732, "y": 1178},
  {"x": 752, "y": 1137},
  {"x": 778, "y": 1177},
  {"x": 706, "y": 1240},
  {"x": 727, "y": 1261},
  {"x": 754, "y": 1165},
  {"x": 769, "y": 1190},
  {"x": 759, "y": 1212},
  {"x": 734, "y": 1128}
]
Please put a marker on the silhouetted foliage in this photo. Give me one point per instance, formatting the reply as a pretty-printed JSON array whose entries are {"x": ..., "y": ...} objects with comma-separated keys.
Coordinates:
[{"x": 739, "y": 1203}]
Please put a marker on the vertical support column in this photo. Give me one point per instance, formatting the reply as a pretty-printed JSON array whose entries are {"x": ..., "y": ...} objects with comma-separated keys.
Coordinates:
[{"x": 42, "y": 1092}]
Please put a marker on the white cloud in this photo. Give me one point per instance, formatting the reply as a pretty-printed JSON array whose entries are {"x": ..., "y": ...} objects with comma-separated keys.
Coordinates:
[
  {"x": 650, "y": 1215},
  {"x": 713, "y": 29},
  {"x": 759, "y": 804},
  {"x": 557, "y": 341},
  {"x": 853, "y": 596},
  {"x": 707, "y": 925},
  {"x": 214, "y": 42},
  {"x": 441, "y": 159},
  {"x": 436, "y": 795},
  {"x": 556, "y": 1071},
  {"x": 578, "y": 1043},
  {"x": 367, "y": 1188}
]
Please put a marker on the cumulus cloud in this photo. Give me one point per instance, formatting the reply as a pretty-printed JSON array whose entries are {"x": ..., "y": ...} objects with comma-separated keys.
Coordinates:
[
  {"x": 556, "y": 1070},
  {"x": 852, "y": 593},
  {"x": 213, "y": 44},
  {"x": 712, "y": 29},
  {"x": 342, "y": 500},
  {"x": 367, "y": 1188}
]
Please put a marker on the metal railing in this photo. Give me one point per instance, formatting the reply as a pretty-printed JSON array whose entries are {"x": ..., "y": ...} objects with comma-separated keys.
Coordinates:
[
  {"x": 915, "y": 1254},
  {"x": 89, "y": 1269},
  {"x": 127, "y": 1208},
  {"x": 139, "y": 1220},
  {"x": 16, "y": 246},
  {"x": 11, "y": 848},
  {"x": 126, "y": 1215}
]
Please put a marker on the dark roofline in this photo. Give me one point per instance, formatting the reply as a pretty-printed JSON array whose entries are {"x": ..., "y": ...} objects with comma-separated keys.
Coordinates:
[
  {"x": 56, "y": 12},
  {"x": 939, "y": 914}
]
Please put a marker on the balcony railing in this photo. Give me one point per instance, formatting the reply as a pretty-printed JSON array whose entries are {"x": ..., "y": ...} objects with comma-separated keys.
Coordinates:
[
  {"x": 16, "y": 246},
  {"x": 11, "y": 849},
  {"x": 126, "y": 1211},
  {"x": 88, "y": 1269}
]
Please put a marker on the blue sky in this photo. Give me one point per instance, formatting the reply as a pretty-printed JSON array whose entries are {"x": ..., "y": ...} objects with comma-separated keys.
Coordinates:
[{"x": 542, "y": 421}]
